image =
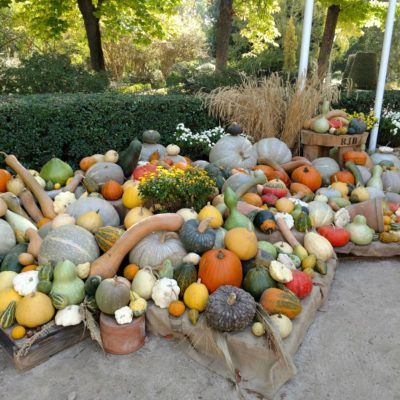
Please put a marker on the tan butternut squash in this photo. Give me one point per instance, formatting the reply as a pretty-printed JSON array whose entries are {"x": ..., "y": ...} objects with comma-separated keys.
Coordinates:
[
  {"x": 14, "y": 204},
  {"x": 28, "y": 202},
  {"x": 45, "y": 202},
  {"x": 292, "y": 165},
  {"x": 35, "y": 241},
  {"x": 107, "y": 265}
]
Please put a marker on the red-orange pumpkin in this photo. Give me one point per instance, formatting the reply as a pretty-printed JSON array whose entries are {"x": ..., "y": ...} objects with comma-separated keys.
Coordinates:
[
  {"x": 268, "y": 171},
  {"x": 253, "y": 199},
  {"x": 296, "y": 187},
  {"x": 5, "y": 176},
  {"x": 220, "y": 267},
  {"x": 112, "y": 190},
  {"x": 277, "y": 301},
  {"x": 343, "y": 176},
  {"x": 283, "y": 176},
  {"x": 358, "y": 157},
  {"x": 309, "y": 176}
]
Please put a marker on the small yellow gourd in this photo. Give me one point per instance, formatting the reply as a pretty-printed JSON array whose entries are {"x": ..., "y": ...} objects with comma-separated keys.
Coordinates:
[
  {"x": 341, "y": 187},
  {"x": 135, "y": 215},
  {"x": 131, "y": 197},
  {"x": 196, "y": 296},
  {"x": 7, "y": 296},
  {"x": 212, "y": 212},
  {"x": 241, "y": 241},
  {"x": 90, "y": 220},
  {"x": 284, "y": 205}
]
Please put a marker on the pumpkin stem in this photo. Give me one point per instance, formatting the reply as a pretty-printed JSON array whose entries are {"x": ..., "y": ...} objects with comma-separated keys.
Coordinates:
[
  {"x": 231, "y": 299},
  {"x": 204, "y": 225},
  {"x": 220, "y": 255}
]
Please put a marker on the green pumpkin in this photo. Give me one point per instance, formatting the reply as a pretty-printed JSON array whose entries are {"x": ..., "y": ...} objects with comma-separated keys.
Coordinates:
[
  {"x": 7, "y": 318},
  {"x": 57, "y": 171},
  {"x": 67, "y": 283},
  {"x": 256, "y": 281},
  {"x": 10, "y": 261},
  {"x": 302, "y": 222},
  {"x": 167, "y": 270},
  {"x": 59, "y": 301},
  {"x": 265, "y": 221},
  {"x": 91, "y": 284},
  {"x": 90, "y": 185},
  {"x": 151, "y": 136},
  {"x": 196, "y": 236},
  {"x": 44, "y": 286},
  {"x": 185, "y": 275}
]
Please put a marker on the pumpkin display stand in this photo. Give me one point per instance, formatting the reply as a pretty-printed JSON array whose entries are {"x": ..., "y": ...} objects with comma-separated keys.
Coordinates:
[
  {"x": 57, "y": 338},
  {"x": 241, "y": 357},
  {"x": 122, "y": 339},
  {"x": 317, "y": 145}
]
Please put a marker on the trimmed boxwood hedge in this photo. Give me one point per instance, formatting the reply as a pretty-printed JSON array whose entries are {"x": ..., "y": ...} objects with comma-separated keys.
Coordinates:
[{"x": 71, "y": 126}]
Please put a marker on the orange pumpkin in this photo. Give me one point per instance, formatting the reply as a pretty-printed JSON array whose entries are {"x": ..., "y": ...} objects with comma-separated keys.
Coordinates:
[
  {"x": 253, "y": 199},
  {"x": 181, "y": 165},
  {"x": 168, "y": 161},
  {"x": 5, "y": 176},
  {"x": 296, "y": 187},
  {"x": 176, "y": 308},
  {"x": 130, "y": 271},
  {"x": 112, "y": 190},
  {"x": 343, "y": 176},
  {"x": 358, "y": 157},
  {"x": 86, "y": 163},
  {"x": 309, "y": 176},
  {"x": 268, "y": 171},
  {"x": 220, "y": 267}
]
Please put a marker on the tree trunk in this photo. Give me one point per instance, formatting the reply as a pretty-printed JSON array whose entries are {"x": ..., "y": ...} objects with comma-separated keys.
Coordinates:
[
  {"x": 224, "y": 27},
  {"x": 93, "y": 34},
  {"x": 327, "y": 39}
]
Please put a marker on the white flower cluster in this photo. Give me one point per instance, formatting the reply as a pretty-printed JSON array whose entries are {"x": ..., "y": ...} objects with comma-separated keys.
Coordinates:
[
  {"x": 394, "y": 117},
  {"x": 208, "y": 137}
]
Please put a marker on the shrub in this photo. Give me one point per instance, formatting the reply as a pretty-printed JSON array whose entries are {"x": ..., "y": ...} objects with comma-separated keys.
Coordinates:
[
  {"x": 72, "y": 126},
  {"x": 50, "y": 73}
]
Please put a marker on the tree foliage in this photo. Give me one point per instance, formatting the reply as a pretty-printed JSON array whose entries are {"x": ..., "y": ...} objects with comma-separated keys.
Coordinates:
[{"x": 290, "y": 48}]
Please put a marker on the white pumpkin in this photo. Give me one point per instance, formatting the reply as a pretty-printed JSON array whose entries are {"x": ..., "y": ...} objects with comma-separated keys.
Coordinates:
[
  {"x": 283, "y": 323},
  {"x": 25, "y": 283},
  {"x": 320, "y": 213},
  {"x": 187, "y": 213},
  {"x": 273, "y": 149},
  {"x": 172, "y": 150},
  {"x": 15, "y": 186},
  {"x": 326, "y": 166},
  {"x": 143, "y": 283},
  {"x": 279, "y": 272},
  {"x": 233, "y": 152},
  {"x": 192, "y": 258},
  {"x": 83, "y": 270},
  {"x": 318, "y": 245},
  {"x": 283, "y": 247},
  {"x": 164, "y": 291}
]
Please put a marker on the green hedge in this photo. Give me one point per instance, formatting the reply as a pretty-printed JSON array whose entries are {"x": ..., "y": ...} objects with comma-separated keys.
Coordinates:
[{"x": 71, "y": 126}]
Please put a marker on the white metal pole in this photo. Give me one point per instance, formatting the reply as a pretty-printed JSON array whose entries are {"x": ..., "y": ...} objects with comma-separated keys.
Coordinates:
[
  {"x": 305, "y": 41},
  {"x": 380, "y": 88}
]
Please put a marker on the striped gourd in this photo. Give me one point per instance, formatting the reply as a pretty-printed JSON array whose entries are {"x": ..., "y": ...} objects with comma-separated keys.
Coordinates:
[
  {"x": 7, "y": 318},
  {"x": 277, "y": 301},
  {"x": 45, "y": 273},
  {"x": 107, "y": 236},
  {"x": 59, "y": 301}
]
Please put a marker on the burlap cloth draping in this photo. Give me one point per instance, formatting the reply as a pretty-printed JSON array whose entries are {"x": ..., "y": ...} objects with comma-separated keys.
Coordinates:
[
  {"x": 374, "y": 249},
  {"x": 254, "y": 367}
]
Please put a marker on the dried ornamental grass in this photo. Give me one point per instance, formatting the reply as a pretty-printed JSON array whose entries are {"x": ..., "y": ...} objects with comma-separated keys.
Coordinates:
[{"x": 269, "y": 107}]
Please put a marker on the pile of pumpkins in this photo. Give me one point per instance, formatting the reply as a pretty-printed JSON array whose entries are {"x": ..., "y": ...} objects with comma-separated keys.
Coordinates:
[{"x": 70, "y": 238}]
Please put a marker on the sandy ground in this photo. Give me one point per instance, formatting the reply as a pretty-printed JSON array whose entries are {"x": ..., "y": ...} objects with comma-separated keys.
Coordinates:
[{"x": 352, "y": 351}]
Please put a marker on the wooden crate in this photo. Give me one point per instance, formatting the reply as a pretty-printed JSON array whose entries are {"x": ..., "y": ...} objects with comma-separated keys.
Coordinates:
[
  {"x": 318, "y": 144},
  {"x": 58, "y": 338}
]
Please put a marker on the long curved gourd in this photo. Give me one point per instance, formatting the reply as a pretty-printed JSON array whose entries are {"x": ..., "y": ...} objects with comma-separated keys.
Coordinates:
[
  {"x": 258, "y": 179},
  {"x": 46, "y": 204},
  {"x": 35, "y": 241},
  {"x": 292, "y": 165},
  {"x": 28, "y": 202},
  {"x": 107, "y": 265},
  {"x": 71, "y": 187},
  {"x": 13, "y": 204},
  {"x": 286, "y": 232}
]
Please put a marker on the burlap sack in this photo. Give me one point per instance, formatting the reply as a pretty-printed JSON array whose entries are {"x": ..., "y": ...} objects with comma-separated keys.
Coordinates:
[{"x": 241, "y": 357}]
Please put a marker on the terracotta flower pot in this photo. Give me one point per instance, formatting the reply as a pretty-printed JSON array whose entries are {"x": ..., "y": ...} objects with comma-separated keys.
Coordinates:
[
  {"x": 122, "y": 339},
  {"x": 372, "y": 211}
]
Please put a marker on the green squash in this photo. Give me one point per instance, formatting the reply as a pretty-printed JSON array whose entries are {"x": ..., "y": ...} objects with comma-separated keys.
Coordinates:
[
  {"x": 302, "y": 222},
  {"x": 185, "y": 275},
  {"x": 45, "y": 273},
  {"x": 44, "y": 286},
  {"x": 57, "y": 171},
  {"x": 10, "y": 261},
  {"x": 256, "y": 281},
  {"x": 129, "y": 157},
  {"x": 7, "y": 318},
  {"x": 235, "y": 219},
  {"x": 66, "y": 282},
  {"x": 59, "y": 301},
  {"x": 196, "y": 236},
  {"x": 91, "y": 284},
  {"x": 91, "y": 303},
  {"x": 167, "y": 270}
]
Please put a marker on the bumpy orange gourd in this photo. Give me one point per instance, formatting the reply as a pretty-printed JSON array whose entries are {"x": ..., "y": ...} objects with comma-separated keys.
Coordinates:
[
  {"x": 358, "y": 157},
  {"x": 112, "y": 190},
  {"x": 176, "y": 308},
  {"x": 86, "y": 163},
  {"x": 343, "y": 176}
]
